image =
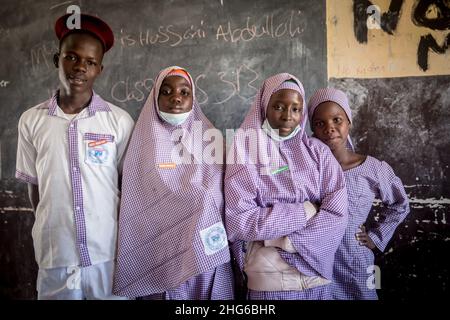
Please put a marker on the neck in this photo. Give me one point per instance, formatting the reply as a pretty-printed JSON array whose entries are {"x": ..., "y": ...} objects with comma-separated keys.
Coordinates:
[
  {"x": 343, "y": 156},
  {"x": 73, "y": 103}
]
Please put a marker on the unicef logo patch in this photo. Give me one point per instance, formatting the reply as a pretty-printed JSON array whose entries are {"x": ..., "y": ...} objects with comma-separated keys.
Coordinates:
[
  {"x": 98, "y": 155},
  {"x": 214, "y": 238}
]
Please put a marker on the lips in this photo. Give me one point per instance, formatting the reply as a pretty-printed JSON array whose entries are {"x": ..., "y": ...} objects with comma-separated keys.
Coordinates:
[
  {"x": 77, "y": 80},
  {"x": 176, "y": 109},
  {"x": 331, "y": 139}
]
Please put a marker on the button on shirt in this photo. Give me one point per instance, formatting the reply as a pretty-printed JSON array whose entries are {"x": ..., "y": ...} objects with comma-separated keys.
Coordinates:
[{"x": 76, "y": 165}]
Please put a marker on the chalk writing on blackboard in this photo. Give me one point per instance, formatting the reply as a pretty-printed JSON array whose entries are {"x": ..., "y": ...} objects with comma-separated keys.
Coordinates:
[
  {"x": 3, "y": 83},
  {"x": 234, "y": 82},
  {"x": 290, "y": 24},
  {"x": 60, "y": 4}
]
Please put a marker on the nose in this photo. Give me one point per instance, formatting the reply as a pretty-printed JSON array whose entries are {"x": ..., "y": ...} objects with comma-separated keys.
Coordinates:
[
  {"x": 329, "y": 128},
  {"x": 287, "y": 114},
  {"x": 176, "y": 98},
  {"x": 80, "y": 65}
]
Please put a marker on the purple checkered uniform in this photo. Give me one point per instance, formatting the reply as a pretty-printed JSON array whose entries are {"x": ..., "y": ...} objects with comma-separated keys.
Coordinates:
[
  {"x": 372, "y": 179},
  {"x": 269, "y": 206},
  {"x": 167, "y": 209}
]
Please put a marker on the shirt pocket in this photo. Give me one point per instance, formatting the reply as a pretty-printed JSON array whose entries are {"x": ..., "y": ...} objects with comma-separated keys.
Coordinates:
[{"x": 100, "y": 149}]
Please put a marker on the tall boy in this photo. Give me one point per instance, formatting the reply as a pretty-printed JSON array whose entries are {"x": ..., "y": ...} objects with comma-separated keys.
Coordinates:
[{"x": 70, "y": 151}]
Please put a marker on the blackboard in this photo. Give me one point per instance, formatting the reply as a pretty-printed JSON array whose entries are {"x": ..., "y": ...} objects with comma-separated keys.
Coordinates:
[{"x": 229, "y": 46}]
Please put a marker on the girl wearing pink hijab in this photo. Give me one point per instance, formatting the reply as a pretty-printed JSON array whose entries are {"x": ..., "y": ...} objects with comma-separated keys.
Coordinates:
[
  {"x": 285, "y": 213},
  {"x": 366, "y": 178},
  {"x": 172, "y": 242}
]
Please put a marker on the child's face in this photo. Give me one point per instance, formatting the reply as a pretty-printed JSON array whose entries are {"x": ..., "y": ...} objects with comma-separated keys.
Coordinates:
[
  {"x": 80, "y": 62},
  {"x": 175, "y": 95},
  {"x": 330, "y": 124},
  {"x": 285, "y": 110}
]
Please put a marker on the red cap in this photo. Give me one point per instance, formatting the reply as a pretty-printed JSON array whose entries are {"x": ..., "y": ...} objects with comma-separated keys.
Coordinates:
[{"x": 90, "y": 24}]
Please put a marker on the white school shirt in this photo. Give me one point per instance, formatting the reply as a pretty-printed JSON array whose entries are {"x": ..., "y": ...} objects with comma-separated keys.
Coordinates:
[{"x": 76, "y": 165}]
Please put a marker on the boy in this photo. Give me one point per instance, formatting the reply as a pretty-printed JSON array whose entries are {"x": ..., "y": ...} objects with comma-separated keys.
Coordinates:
[{"x": 70, "y": 152}]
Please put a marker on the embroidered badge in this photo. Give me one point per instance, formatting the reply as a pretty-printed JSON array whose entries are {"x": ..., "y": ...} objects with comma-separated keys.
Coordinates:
[
  {"x": 97, "y": 143},
  {"x": 281, "y": 169},
  {"x": 214, "y": 238},
  {"x": 98, "y": 154},
  {"x": 167, "y": 165}
]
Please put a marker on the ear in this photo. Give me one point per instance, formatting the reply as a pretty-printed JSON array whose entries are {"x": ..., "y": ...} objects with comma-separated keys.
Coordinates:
[{"x": 56, "y": 59}]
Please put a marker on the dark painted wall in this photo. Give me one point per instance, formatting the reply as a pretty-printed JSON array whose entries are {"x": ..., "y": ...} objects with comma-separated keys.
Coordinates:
[{"x": 405, "y": 122}]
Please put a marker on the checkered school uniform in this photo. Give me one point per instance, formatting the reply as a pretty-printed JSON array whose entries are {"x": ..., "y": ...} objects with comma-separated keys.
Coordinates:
[
  {"x": 75, "y": 162},
  {"x": 172, "y": 242},
  {"x": 264, "y": 201}
]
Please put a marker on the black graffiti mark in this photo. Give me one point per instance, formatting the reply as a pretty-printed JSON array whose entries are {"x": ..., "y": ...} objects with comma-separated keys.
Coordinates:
[
  {"x": 428, "y": 42},
  {"x": 420, "y": 9},
  {"x": 388, "y": 23}
]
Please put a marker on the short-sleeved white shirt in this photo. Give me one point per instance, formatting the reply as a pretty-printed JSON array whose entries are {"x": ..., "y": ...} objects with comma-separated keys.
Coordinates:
[{"x": 76, "y": 165}]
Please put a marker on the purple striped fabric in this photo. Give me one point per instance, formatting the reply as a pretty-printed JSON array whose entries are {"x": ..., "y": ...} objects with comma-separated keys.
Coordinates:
[
  {"x": 210, "y": 285},
  {"x": 77, "y": 191},
  {"x": 163, "y": 210},
  {"x": 269, "y": 206},
  {"x": 372, "y": 179},
  {"x": 96, "y": 104},
  {"x": 333, "y": 95},
  {"x": 26, "y": 178},
  {"x": 98, "y": 136}
]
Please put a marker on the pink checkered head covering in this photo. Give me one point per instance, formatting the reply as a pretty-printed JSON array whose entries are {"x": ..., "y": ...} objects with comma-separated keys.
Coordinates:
[
  {"x": 256, "y": 116},
  {"x": 333, "y": 95},
  {"x": 167, "y": 205},
  {"x": 264, "y": 200},
  {"x": 292, "y": 85},
  {"x": 180, "y": 73}
]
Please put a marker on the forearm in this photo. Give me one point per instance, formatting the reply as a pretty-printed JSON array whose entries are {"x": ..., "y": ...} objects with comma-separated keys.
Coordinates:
[{"x": 33, "y": 194}]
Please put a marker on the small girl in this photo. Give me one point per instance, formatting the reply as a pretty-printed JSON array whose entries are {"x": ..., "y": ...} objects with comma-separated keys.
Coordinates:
[
  {"x": 282, "y": 244},
  {"x": 172, "y": 242},
  {"x": 366, "y": 178}
]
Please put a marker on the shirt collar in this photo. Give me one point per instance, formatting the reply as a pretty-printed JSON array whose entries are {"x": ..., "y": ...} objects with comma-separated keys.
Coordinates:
[{"x": 97, "y": 104}]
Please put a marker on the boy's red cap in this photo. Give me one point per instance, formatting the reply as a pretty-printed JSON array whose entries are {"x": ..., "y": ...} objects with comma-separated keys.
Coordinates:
[{"x": 90, "y": 24}]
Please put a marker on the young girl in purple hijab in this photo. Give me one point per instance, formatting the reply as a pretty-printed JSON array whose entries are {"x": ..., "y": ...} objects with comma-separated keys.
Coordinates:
[
  {"x": 285, "y": 195},
  {"x": 172, "y": 241},
  {"x": 366, "y": 178}
]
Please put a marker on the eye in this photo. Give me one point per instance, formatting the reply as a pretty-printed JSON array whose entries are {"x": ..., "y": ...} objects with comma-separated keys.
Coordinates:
[
  {"x": 278, "y": 107},
  {"x": 70, "y": 57},
  {"x": 337, "y": 120},
  {"x": 164, "y": 91},
  {"x": 185, "y": 93},
  {"x": 297, "y": 110},
  {"x": 318, "y": 124},
  {"x": 91, "y": 63}
]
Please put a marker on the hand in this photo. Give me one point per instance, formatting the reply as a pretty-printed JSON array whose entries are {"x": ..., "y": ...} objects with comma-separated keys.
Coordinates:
[
  {"x": 283, "y": 243},
  {"x": 364, "y": 239},
  {"x": 310, "y": 209}
]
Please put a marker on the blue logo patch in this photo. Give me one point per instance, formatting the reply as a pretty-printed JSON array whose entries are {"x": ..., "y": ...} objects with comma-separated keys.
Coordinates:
[
  {"x": 98, "y": 154},
  {"x": 214, "y": 238}
]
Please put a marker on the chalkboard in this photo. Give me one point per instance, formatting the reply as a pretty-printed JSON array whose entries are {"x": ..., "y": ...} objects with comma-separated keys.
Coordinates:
[{"x": 229, "y": 46}]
